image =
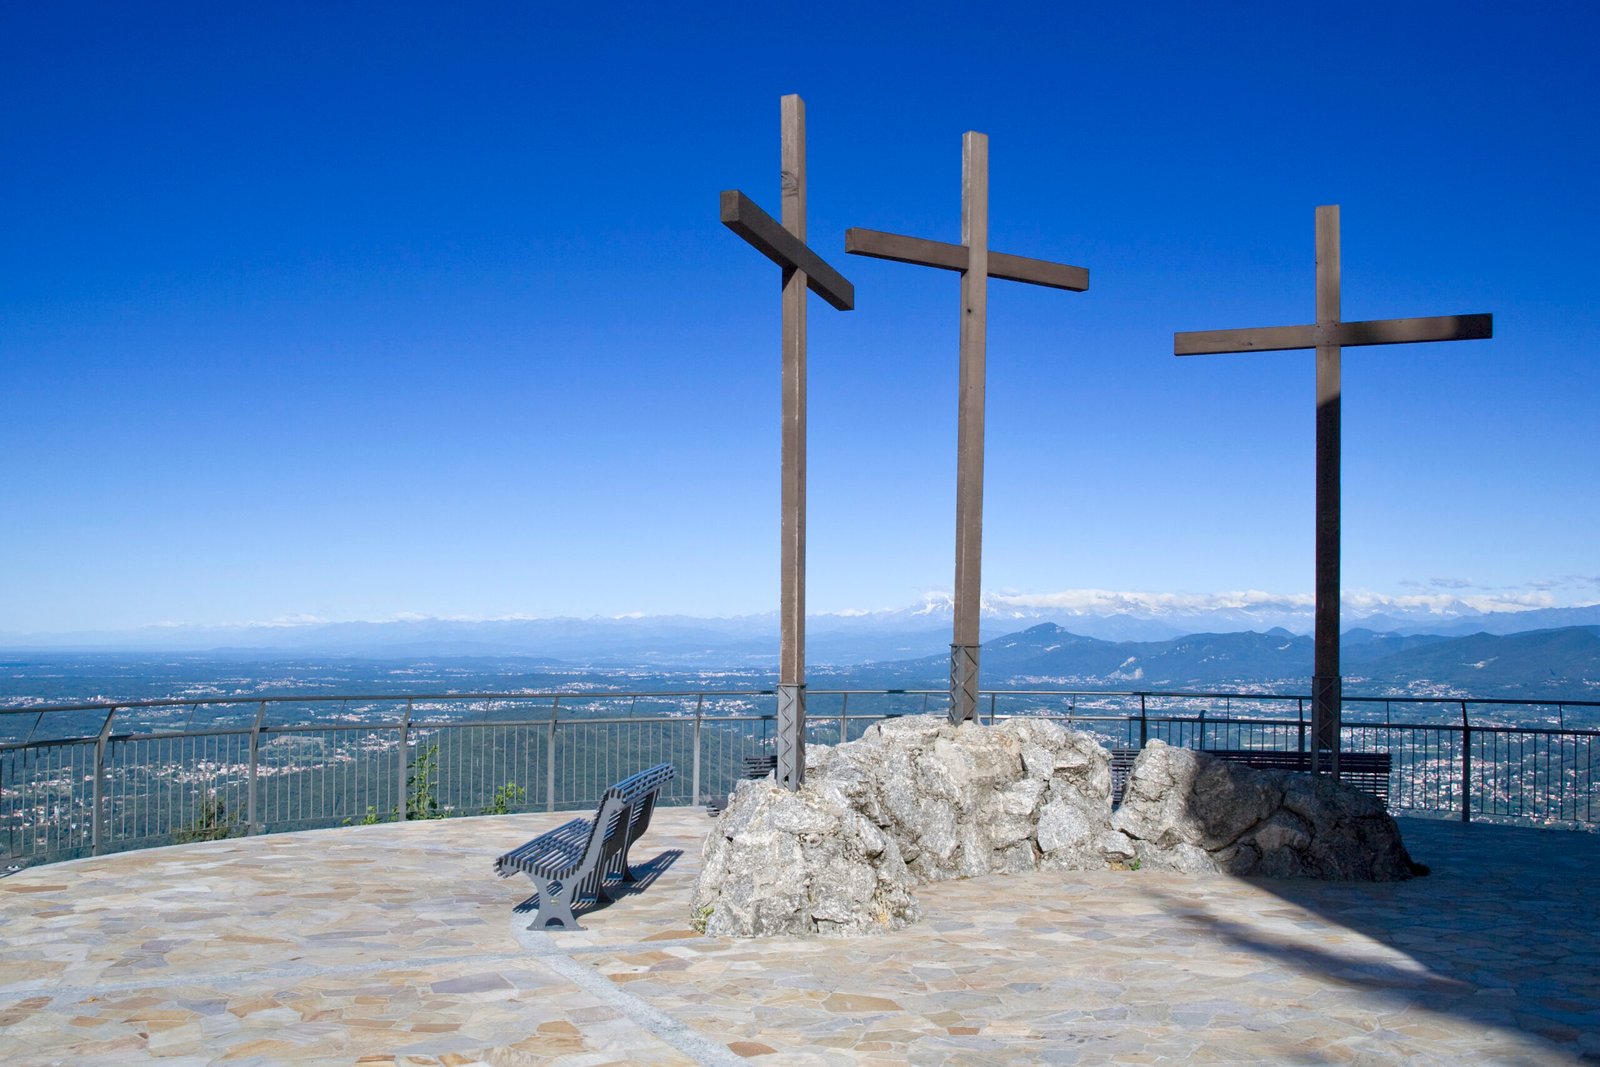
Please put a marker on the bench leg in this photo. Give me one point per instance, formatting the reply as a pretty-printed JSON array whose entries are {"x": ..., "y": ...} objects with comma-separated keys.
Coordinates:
[{"x": 555, "y": 906}]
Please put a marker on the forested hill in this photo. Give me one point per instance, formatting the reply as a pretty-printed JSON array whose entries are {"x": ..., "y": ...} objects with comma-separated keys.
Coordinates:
[{"x": 1540, "y": 663}]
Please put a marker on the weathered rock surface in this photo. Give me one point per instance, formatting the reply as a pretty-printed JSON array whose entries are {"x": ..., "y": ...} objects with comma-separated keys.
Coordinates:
[
  {"x": 917, "y": 799},
  {"x": 799, "y": 863},
  {"x": 1189, "y": 811},
  {"x": 969, "y": 800},
  {"x": 914, "y": 800}
]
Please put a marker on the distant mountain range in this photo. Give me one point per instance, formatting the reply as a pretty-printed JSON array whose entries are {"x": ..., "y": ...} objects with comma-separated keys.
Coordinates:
[
  {"x": 843, "y": 640},
  {"x": 1556, "y": 663}
]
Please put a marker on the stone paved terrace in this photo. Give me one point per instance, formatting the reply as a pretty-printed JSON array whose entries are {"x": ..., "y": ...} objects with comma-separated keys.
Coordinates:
[{"x": 396, "y": 944}]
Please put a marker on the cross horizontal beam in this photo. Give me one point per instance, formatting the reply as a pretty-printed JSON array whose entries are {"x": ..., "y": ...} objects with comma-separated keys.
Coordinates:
[
  {"x": 925, "y": 253},
  {"x": 741, "y": 215},
  {"x": 1344, "y": 334}
]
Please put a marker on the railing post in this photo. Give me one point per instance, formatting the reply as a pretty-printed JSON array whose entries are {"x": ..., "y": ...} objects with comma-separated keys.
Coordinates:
[
  {"x": 991, "y": 709},
  {"x": 694, "y": 787},
  {"x": 98, "y": 794},
  {"x": 405, "y": 741},
  {"x": 252, "y": 826},
  {"x": 1466, "y": 765},
  {"x": 1300, "y": 714},
  {"x": 550, "y": 758},
  {"x": 1144, "y": 724},
  {"x": 844, "y": 709}
]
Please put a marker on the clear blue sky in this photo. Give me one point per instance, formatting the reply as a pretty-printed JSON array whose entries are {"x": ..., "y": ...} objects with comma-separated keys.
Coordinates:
[{"x": 356, "y": 310}]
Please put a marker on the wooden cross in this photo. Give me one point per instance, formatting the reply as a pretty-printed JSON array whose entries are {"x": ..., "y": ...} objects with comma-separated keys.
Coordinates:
[
  {"x": 1328, "y": 335},
  {"x": 786, "y": 246},
  {"x": 977, "y": 265}
]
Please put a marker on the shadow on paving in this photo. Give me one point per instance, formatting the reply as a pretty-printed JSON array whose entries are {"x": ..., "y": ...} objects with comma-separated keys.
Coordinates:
[
  {"x": 645, "y": 875},
  {"x": 1504, "y": 932}
]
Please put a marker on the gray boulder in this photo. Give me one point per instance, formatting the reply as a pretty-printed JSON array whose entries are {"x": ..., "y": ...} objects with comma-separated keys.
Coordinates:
[
  {"x": 796, "y": 863},
  {"x": 1189, "y": 811},
  {"x": 915, "y": 799},
  {"x": 967, "y": 800}
]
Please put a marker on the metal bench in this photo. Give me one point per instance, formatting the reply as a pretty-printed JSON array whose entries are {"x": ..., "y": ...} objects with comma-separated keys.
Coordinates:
[
  {"x": 755, "y": 768},
  {"x": 571, "y": 863},
  {"x": 1367, "y": 771}
]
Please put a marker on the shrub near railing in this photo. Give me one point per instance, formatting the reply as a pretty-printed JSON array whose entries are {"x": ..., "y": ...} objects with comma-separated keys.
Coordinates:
[{"x": 128, "y": 779}]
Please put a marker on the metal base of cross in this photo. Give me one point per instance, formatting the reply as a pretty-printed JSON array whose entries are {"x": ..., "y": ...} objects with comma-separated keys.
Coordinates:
[
  {"x": 1327, "y": 704},
  {"x": 791, "y": 769},
  {"x": 963, "y": 683}
]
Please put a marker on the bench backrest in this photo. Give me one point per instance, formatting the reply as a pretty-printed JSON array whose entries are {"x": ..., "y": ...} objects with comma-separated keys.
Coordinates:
[
  {"x": 636, "y": 797},
  {"x": 1367, "y": 771},
  {"x": 650, "y": 780},
  {"x": 759, "y": 766}
]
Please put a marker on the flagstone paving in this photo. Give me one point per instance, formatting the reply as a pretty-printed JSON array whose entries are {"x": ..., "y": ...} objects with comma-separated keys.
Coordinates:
[{"x": 397, "y": 945}]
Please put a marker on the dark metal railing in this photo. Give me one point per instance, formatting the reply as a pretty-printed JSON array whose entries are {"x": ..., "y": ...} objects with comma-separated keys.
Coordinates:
[{"x": 91, "y": 778}]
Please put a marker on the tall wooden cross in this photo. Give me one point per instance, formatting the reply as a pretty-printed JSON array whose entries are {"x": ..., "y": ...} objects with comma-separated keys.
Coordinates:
[
  {"x": 1329, "y": 336},
  {"x": 786, "y": 246},
  {"x": 977, "y": 265}
]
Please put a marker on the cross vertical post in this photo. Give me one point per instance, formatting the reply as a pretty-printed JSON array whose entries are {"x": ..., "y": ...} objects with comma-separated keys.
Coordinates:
[
  {"x": 803, "y": 269},
  {"x": 792, "y": 492},
  {"x": 976, "y": 264},
  {"x": 1327, "y": 704},
  {"x": 969, "y": 426},
  {"x": 1329, "y": 335}
]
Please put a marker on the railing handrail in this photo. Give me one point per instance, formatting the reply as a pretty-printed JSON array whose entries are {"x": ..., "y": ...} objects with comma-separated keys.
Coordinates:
[
  {"x": 427, "y": 724},
  {"x": 308, "y": 698},
  {"x": 568, "y": 695}
]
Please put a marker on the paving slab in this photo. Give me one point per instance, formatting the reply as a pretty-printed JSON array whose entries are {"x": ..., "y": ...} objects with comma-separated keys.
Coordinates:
[{"x": 395, "y": 944}]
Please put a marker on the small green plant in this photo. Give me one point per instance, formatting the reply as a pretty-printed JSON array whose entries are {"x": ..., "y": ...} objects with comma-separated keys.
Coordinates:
[
  {"x": 212, "y": 821},
  {"x": 701, "y": 917},
  {"x": 1136, "y": 864},
  {"x": 420, "y": 801},
  {"x": 422, "y": 775},
  {"x": 371, "y": 818},
  {"x": 505, "y": 798}
]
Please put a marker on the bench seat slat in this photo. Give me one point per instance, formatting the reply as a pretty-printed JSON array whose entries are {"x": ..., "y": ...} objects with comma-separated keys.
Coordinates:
[{"x": 549, "y": 854}]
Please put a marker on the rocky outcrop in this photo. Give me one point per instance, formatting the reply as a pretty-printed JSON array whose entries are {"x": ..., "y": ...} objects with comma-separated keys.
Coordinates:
[
  {"x": 799, "y": 863},
  {"x": 917, "y": 799},
  {"x": 914, "y": 800},
  {"x": 781, "y": 862},
  {"x": 1189, "y": 811},
  {"x": 970, "y": 800}
]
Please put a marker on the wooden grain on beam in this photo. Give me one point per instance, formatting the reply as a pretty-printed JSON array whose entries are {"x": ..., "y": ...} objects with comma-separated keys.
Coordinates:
[
  {"x": 903, "y": 249},
  {"x": 1261, "y": 339},
  {"x": 925, "y": 253},
  {"x": 1412, "y": 331},
  {"x": 1343, "y": 334},
  {"x": 743, "y": 217},
  {"x": 1038, "y": 272}
]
